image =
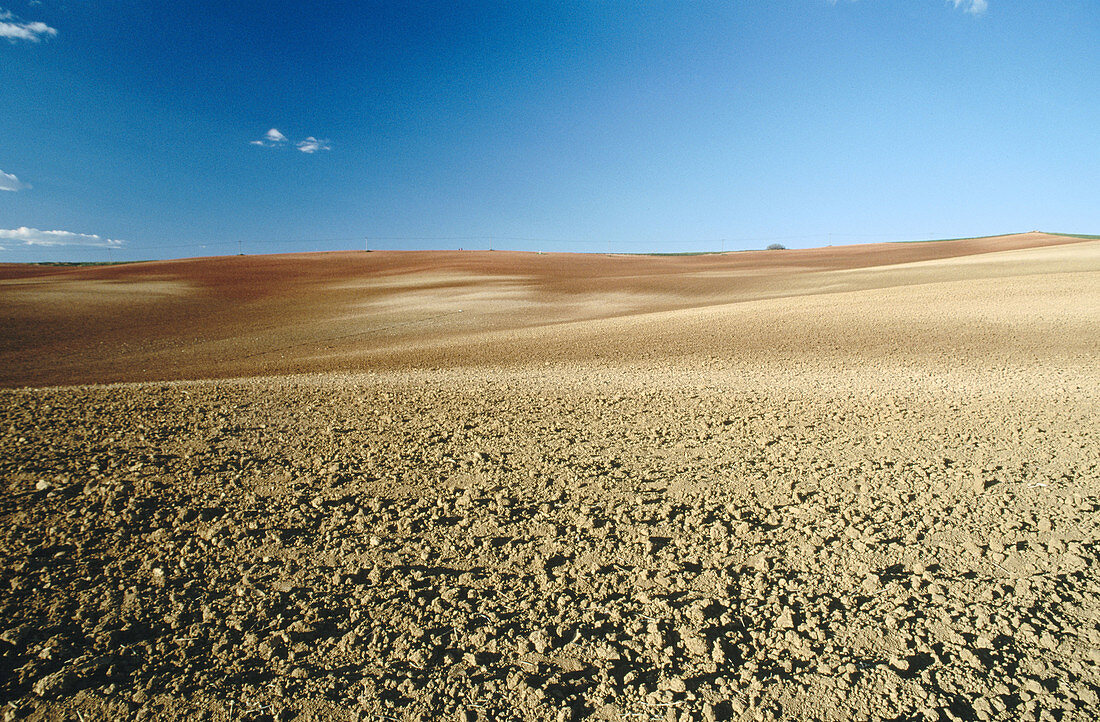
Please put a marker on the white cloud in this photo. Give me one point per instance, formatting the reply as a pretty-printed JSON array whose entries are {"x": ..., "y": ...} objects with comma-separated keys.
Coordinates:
[
  {"x": 312, "y": 145},
  {"x": 271, "y": 139},
  {"x": 274, "y": 139},
  {"x": 9, "y": 182},
  {"x": 16, "y": 30},
  {"x": 34, "y": 237},
  {"x": 974, "y": 7}
]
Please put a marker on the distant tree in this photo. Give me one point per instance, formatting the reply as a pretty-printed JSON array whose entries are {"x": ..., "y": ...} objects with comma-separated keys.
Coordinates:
[{"x": 777, "y": 247}]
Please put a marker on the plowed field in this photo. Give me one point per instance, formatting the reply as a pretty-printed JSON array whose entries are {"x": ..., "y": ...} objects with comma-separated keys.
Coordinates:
[{"x": 833, "y": 484}]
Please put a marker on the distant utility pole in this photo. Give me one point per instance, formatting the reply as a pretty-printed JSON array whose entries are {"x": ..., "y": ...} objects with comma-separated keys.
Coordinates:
[
  {"x": 366, "y": 247},
  {"x": 239, "y": 251}
]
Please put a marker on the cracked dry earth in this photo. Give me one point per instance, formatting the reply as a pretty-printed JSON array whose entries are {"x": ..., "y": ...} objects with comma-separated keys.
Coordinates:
[{"x": 568, "y": 542}]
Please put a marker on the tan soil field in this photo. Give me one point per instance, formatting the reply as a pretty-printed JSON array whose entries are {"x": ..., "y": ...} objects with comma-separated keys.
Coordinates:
[{"x": 851, "y": 483}]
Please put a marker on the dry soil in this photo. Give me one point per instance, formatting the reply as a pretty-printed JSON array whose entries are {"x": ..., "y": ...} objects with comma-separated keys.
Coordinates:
[{"x": 850, "y": 483}]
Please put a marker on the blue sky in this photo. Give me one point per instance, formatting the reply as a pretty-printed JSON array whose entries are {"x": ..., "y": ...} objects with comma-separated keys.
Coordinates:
[{"x": 142, "y": 127}]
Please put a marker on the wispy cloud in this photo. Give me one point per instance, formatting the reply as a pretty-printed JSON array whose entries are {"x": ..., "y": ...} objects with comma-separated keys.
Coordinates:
[
  {"x": 33, "y": 237},
  {"x": 271, "y": 139},
  {"x": 9, "y": 182},
  {"x": 974, "y": 7},
  {"x": 312, "y": 145},
  {"x": 14, "y": 30},
  {"x": 275, "y": 139}
]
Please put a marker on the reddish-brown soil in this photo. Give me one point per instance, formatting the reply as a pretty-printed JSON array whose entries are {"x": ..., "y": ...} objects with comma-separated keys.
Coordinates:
[{"x": 249, "y": 315}]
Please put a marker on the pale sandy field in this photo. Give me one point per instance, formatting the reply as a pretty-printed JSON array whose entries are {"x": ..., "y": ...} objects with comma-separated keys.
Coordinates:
[{"x": 843, "y": 483}]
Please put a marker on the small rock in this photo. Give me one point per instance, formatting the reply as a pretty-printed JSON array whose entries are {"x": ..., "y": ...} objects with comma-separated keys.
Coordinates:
[
  {"x": 717, "y": 653},
  {"x": 265, "y": 650},
  {"x": 540, "y": 641},
  {"x": 13, "y": 712},
  {"x": 43, "y": 486},
  {"x": 53, "y": 685},
  {"x": 970, "y": 658},
  {"x": 694, "y": 645},
  {"x": 16, "y": 636},
  {"x": 676, "y": 685},
  {"x": 900, "y": 664},
  {"x": 759, "y": 562}
]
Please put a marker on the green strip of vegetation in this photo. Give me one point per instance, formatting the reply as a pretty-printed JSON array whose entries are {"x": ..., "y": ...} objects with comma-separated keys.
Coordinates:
[
  {"x": 682, "y": 253},
  {"x": 81, "y": 263},
  {"x": 1076, "y": 235},
  {"x": 948, "y": 240}
]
